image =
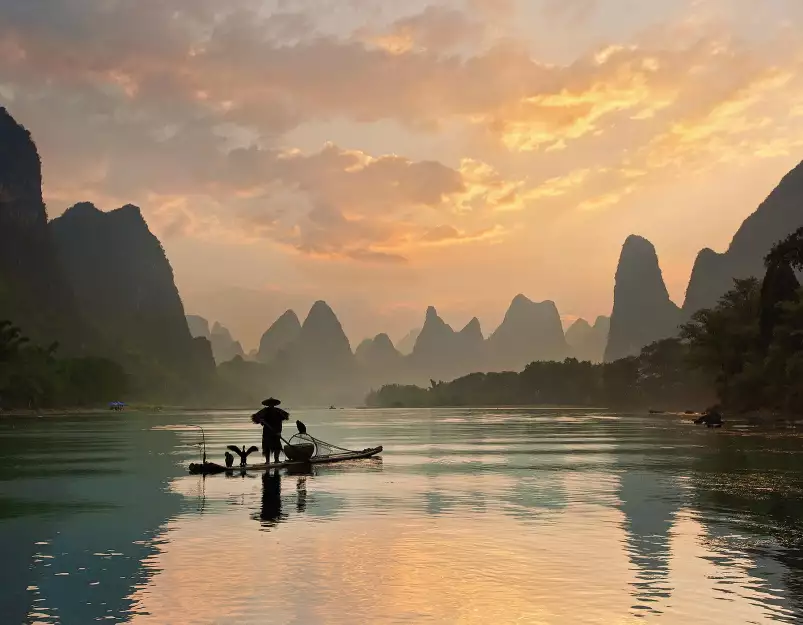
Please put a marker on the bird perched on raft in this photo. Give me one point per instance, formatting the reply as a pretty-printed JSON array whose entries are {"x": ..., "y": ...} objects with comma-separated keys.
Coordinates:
[
  {"x": 243, "y": 453},
  {"x": 302, "y": 429},
  {"x": 229, "y": 460}
]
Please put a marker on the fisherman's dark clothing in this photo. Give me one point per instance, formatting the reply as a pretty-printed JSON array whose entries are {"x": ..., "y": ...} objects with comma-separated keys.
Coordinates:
[{"x": 271, "y": 418}]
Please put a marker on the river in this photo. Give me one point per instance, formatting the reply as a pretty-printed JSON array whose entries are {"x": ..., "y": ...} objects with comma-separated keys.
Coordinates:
[{"x": 470, "y": 516}]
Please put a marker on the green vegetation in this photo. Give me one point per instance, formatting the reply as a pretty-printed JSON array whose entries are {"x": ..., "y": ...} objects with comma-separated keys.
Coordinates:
[
  {"x": 658, "y": 377},
  {"x": 32, "y": 376},
  {"x": 751, "y": 343},
  {"x": 746, "y": 353}
]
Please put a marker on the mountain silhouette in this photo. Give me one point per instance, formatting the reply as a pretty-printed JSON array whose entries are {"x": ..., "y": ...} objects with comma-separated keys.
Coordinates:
[
  {"x": 379, "y": 361},
  {"x": 530, "y": 331},
  {"x": 470, "y": 347},
  {"x": 321, "y": 355},
  {"x": 642, "y": 310},
  {"x": 587, "y": 342},
  {"x": 34, "y": 292},
  {"x": 407, "y": 343},
  {"x": 224, "y": 347},
  {"x": 435, "y": 350},
  {"x": 199, "y": 327},
  {"x": 778, "y": 216},
  {"x": 124, "y": 287},
  {"x": 282, "y": 332},
  {"x": 377, "y": 352}
]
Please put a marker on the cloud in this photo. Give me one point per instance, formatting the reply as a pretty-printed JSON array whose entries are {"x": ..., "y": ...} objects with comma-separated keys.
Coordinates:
[
  {"x": 276, "y": 71},
  {"x": 436, "y": 28},
  {"x": 572, "y": 11},
  {"x": 188, "y": 106}
]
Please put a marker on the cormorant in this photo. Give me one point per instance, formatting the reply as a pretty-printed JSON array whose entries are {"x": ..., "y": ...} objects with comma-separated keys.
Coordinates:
[
  {"x": 229, "y": 460},
  {"x": 243, "y": 453},
  {"x": 302, "y": 429}
]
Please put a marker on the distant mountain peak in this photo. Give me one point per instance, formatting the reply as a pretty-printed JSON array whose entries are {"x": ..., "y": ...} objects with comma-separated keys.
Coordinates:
[
  {"x": 529, "y": 331},
  {"x": 642, "y": 310},
  {"x": 383, "y": 340},
  {"x": 279, "y": 335},
  {"x": 199, "y": 326},
  {"x": 588, "y": 342},
  {"x": 320, "y": 310},
  {"x": 322, "y": 349},
  {"x": 520, "y": 300},
  {"x": 602, "y": 321},
  {"x": 580, "y": 323},
  {"x": 289, "y": 315},
  {"x": 407, "y": 342},
  {"x": 472, "y": 329}
]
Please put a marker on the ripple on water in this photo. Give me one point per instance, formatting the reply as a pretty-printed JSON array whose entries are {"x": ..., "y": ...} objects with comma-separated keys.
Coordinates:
[{"x": 471, "y": 516}]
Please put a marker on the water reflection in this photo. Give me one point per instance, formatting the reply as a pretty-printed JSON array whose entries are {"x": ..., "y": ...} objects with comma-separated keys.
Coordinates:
[
  {"x": 271, "y": 511},
  {"x": 472, "y": 517},
  {"x": 301, "y": 494},
  {"x": 79, "y": 526},
  {"x": 649, "y": 504},
  {"x": 749, "y": 493}
]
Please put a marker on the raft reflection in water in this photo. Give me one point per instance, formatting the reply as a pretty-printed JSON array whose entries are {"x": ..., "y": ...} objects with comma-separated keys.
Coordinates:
[{"x": 271, "y": 513}]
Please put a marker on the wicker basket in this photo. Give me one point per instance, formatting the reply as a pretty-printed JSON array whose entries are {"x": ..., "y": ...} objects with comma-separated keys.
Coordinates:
[{"x": 299, "y": 452}]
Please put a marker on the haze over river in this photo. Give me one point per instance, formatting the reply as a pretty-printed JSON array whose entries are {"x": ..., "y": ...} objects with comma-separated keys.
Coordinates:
[{"x": 470, "y": 517}]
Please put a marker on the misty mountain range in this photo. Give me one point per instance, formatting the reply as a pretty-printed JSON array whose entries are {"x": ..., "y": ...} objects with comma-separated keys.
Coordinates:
[
  {"x": 642, "y": 312},
  {"x": 100, "y": 283}
]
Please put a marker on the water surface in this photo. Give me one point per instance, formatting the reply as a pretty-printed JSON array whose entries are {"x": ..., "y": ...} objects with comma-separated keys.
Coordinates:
[{"x": 470, "y": 516}]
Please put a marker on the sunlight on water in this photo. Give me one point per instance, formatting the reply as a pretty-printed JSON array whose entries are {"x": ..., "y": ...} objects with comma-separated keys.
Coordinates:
[{"x": 468, "y": 517}]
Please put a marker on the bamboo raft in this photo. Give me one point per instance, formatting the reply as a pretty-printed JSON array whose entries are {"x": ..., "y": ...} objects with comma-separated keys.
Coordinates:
[{"x": 211, "y": 468}]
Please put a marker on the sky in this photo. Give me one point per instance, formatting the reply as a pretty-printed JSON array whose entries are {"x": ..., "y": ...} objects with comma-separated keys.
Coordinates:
[{"x": 386, "y": 156}]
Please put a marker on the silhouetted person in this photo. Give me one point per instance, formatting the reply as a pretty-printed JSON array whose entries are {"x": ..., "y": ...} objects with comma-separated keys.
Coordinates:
[{"x": 270, "y": 418}]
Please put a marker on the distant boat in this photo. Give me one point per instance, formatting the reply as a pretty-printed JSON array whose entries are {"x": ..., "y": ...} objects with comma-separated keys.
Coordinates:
[{"x": 116, "y": 405}]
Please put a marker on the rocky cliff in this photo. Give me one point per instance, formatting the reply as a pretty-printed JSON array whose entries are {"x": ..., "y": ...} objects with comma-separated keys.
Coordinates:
[
  {"x": 282, "y": 332},
  {"x": 34, "y": 293},
  {"x": 124, "y": 288},
  {"x": 530, "y": 331},
  {"x": 777, "y": 217},
  {"x": 642, "y": 310}
]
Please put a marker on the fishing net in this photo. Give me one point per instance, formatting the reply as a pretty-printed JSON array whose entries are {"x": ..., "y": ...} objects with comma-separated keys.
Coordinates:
[{"x": 303, "y": 444}]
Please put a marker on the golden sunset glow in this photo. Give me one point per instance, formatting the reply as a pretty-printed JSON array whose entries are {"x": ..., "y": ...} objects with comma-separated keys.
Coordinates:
[
  {"x": 442, "y": 152},
  {"x": 457, "y": 568}
]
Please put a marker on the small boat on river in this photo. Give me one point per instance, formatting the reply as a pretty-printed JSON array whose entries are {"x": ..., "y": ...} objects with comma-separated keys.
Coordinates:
[
  {"x": 211, "y": 468},
  {"x": 302, "y": 449}
]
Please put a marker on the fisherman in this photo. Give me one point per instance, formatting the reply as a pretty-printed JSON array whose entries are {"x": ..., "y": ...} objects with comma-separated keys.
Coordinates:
[{"x": 270, "y": 418}]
